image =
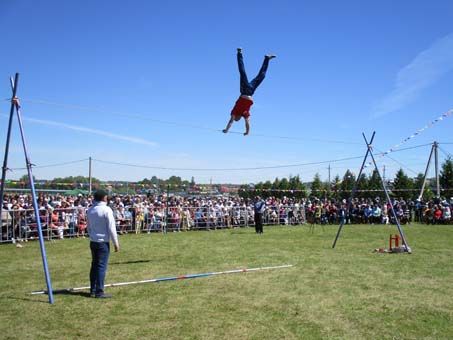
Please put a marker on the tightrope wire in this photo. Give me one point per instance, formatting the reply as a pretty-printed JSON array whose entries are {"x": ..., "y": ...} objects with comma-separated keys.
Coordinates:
[{"x": 192, "y": 126}]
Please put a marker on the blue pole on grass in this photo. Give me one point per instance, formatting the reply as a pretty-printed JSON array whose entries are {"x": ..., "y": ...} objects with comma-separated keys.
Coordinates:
[
  {"x": 5, "y": 159},
  {"x": 354, "y": 189},
  {"x": 14, "y": 84}
]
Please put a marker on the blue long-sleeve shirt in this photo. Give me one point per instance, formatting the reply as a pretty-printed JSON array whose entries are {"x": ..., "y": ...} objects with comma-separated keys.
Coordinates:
[{"x": 259, "y": 207}]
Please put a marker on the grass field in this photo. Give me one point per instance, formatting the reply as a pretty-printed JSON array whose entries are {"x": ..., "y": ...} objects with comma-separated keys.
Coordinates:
[{"x": 348, "y": 292}]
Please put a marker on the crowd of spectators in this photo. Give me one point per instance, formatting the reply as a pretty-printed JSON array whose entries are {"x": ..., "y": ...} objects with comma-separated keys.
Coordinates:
[{"x": 63, "y": 216}]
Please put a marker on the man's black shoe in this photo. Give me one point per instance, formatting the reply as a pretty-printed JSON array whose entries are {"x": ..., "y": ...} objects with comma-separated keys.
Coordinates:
[{"x": 103, "y": 296}]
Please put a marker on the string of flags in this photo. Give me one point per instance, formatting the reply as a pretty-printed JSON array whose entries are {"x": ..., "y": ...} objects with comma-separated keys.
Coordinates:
[
  {"x": 415, "y": 134},
  {"x": 292, "y": 191}
]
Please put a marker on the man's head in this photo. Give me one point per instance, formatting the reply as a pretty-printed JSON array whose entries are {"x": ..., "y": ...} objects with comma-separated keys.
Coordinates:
[{"x": 100, "y": 195}]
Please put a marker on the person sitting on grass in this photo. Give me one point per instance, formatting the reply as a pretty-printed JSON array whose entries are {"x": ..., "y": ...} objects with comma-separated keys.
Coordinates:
[{"x": 245, "y": 101}]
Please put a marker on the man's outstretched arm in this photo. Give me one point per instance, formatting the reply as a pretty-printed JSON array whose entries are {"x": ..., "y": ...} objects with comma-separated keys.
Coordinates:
[
  {"x": 228, "y": 125},
  {"x": 247, "y": 126}
]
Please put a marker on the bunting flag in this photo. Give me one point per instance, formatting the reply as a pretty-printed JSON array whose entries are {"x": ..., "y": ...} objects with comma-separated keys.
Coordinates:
[
  {"x": 415, "y": 134},
  {"x": 331, "y": 190}
]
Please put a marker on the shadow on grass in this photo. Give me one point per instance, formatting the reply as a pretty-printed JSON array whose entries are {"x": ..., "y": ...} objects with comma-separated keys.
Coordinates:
[
  {"x": 242, "y": 232},
  {"x": 67, "y": 292},
  {"x": 24, "y": 299},
  {"x": 131, "y": 262},
  {"x": 58, "y": 292}
]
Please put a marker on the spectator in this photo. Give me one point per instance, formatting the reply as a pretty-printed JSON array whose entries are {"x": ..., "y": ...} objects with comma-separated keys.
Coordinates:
[{"x": 102, "y": 229}]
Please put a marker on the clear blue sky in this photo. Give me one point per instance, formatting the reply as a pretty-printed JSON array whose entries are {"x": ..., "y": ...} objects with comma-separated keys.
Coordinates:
[{"x": 343, "y": 68}]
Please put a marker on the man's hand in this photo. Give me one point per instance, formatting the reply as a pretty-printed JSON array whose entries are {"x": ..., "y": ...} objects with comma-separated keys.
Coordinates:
[
  {"x": 16, "y": 102},
  {"x": 117, "y": 248}
]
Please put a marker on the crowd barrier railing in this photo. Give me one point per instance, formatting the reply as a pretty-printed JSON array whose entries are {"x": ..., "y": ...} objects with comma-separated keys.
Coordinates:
[{"x": 58, "y": 223}]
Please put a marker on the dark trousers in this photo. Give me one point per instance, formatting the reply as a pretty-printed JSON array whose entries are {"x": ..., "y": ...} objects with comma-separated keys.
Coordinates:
[
  {"x": 259, "y": 223},
  {"x": 99, "y": 259},
  {"x": 248, "y": 88}
]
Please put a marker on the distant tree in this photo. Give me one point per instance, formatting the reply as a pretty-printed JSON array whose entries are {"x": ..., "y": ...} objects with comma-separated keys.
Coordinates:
[
  {"x": 347, "y": 184},
  {"x": 145, "y": 181},
  {"x": 400, "y": 185},
  {"x": 24, "y": 178},
  {"x": 276, "y": 184},
  {"x": 245, "y": 192},
  {"x": 317, "y": 187},
  {"x": 417, "y": 185},
  {"x": 284, "y": 184},
  {"x": 276, "y": 187},
  {"x": 267, "y": 185},
  {"x": 362, "y": 186},
  {"x": 446, "y": 177},
  {"x": 258, "y": 189},
  {"x": 296, "y": 184},
  {"x": 335, "y": 187},
  {"x": 374, "y": 182}
]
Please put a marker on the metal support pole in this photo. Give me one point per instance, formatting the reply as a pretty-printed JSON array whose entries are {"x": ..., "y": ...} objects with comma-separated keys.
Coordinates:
[
  {"x": 426, "y": 172},
  {"x": 8, "y": 137},
  {"x": 436, "y": 166},
  {"x": 90, "y": 180},
  {"x": 354, "y": 189},
  {"x": 370, "y": 152},
  {"x": 400, "y": 230},
  {"x": 329, "y": 168},
  {"x": 14, "y": 84},
  {"x": 166, "y": 209}
]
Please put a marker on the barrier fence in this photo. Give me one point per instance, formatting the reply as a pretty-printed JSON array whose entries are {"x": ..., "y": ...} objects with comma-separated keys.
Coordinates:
[
  {"x": 60, "y": 223},
  {"x": 71, "y": 222}
]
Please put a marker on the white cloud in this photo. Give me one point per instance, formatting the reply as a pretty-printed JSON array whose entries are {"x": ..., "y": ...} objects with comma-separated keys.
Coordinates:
[
  {"x": 92, "y": 131},
  {"x": 426, "y": 69}
]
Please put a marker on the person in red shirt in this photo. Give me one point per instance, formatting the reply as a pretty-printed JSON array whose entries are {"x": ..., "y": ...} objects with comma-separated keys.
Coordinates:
[
  {"x": 437, "y": 215},
  {"x": 245, "y": 100},
  {"x": 81, "y": 222}
]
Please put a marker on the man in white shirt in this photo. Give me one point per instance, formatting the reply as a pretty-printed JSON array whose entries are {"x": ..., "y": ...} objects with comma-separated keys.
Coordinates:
[{"x": 102, "y": 229}]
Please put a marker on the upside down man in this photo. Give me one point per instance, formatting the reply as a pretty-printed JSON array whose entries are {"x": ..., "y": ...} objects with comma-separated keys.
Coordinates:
[{"x": 245, "y": 100}]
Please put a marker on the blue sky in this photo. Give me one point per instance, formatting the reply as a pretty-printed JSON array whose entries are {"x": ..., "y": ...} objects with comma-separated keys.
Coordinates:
[{"x": 108, "y": 79}]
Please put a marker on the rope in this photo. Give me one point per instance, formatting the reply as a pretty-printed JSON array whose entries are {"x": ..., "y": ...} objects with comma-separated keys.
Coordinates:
[
  {"x": 225, "y": 169},
  {"x": 192, "y": 126},
  {"x": 53, "y": 165},
  {"x": 446, "y": 153},
  {"x": 401, "y": 164},
  {"x": 211, "y": 169}
]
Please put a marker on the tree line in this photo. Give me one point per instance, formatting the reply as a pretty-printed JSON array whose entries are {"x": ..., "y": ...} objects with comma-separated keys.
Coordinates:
[{"x": 368, "y": 186}]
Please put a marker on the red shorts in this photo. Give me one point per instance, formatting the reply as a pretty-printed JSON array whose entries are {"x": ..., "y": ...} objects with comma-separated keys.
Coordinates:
[{"x": 242, "y": 107}]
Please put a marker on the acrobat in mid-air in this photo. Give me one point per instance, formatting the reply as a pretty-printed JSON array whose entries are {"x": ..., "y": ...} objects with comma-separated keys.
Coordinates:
[{"x": 245, "y": 101}]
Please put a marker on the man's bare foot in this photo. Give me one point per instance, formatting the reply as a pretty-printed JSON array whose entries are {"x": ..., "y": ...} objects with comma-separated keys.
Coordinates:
[
  {"x": 246, "y": 133},
  {"x": 224, "y": 130},
  {"x": 270, "y": 56}
]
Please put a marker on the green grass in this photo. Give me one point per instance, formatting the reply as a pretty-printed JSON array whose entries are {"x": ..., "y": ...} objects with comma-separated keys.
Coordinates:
[{"x": 348, "y": 292}]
